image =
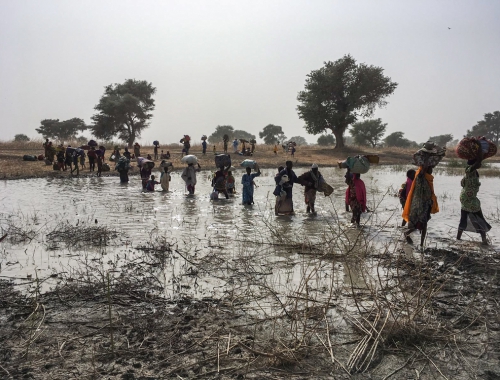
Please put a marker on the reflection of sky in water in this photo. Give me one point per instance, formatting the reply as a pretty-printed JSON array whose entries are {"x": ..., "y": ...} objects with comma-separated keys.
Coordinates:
[{"x": 193, "y": 221}]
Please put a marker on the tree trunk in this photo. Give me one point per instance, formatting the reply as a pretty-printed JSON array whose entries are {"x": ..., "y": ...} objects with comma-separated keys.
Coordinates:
[
  {"x": 339, "y": 137},
  {"x": 130, "y": 140}
]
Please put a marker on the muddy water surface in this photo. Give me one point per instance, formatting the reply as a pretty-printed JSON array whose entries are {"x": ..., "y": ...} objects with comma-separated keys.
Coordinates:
[{"x": 194, "y": 224}]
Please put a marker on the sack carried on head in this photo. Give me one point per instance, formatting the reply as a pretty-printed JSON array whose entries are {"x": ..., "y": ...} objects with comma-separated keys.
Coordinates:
[
  {"x": 356, "y": 164},
  {"x": 248, "y": 164},
  {"x": 189, "y": 159}
]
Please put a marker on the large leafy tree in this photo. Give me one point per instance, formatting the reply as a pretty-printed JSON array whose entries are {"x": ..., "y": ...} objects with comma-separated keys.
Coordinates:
[
  {"x": 325, "y": 140},
  {"x": 336, "y": 95},
  {"x": 61, "y": 130},
  {"x": 441, "y": 140},
  {"x": 219, "y": 133},
  {"x": 368, "y": 132},
  {"x": 489, "y": 127},
  {"x": 272, "y": 134},
  {"x": 124, "y": 110},
  {"x": 299, "y": 140}
]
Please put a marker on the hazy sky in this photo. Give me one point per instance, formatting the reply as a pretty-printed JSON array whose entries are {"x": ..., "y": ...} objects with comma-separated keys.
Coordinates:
[{"x": 243, "y": 62}]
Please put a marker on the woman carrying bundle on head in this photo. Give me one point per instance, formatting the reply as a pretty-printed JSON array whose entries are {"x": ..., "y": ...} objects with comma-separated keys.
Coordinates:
[{"x": 471, "y": 218}]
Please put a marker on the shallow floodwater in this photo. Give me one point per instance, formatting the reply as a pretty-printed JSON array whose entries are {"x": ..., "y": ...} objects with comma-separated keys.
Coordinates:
[{"x": 232, "y": 231}]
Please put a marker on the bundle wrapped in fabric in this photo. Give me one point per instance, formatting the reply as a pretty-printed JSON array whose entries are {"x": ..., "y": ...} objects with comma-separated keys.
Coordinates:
[
  {"x": 69, "y": 150},
  {"x": 468, "y": 147},
  {"x": 92, "y": 143},
  {"x": 141, "y": 161},
  {"x": 253, "y": 141},
  {"x": 41, "y": 157},
  {"x": 80, "y": 152},
  {"x": 123, "y": 163},
  {"x": 156, "y": 143},
  {"x": 105, "y": 167},
  {"x": 429, "y": 155},
  {"x": 356, "y": 164},
  {"x": 28, "y": 157},
  {"x": 85, "y": 147},
  {"x": 249, "y": 164},
  {"x": 189, "y": 159},
  {"x": 55, "y": 166},
  {"x": 225, "y": 138},
  {"x": 222, "y": 160},
  {"x": 244, "y": 141},
  {"x": 204, "y": 137}
]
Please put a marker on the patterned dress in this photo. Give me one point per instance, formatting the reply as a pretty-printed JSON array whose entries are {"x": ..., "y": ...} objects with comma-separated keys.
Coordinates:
[{"x": 471, "y": 218}]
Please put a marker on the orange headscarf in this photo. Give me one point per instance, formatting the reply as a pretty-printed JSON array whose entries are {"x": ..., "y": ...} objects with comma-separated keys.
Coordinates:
[{"x": 430, "y": 180}]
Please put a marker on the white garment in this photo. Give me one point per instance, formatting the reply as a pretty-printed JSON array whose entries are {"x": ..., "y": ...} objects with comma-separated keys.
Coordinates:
[{"x": 189, "y": 175}]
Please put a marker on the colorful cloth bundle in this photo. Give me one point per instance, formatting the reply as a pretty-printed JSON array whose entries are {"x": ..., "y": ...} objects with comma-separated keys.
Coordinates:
[{"x": 468, "y": 147}]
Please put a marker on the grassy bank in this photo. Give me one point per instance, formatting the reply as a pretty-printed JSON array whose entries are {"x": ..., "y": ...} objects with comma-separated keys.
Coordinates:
[{"x": 12, "y": 165}]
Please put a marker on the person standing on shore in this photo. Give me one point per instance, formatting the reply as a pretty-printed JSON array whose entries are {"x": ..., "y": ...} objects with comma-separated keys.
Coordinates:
[
  {"x": 155, "y": 151},
  {"x": 92, "y": 157},
  {"x": 137, "y": 150},
  {"x": 235, "y": 146},
  {"x": 472, "y": 218},
  {"x": 99, "y": 165},
  {"x": 420, "y": 203},
  {"x": 204, "y": 147}
]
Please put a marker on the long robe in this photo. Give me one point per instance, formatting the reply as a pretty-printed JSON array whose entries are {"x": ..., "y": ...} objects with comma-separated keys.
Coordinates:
[{"x": 248, "y": 187}]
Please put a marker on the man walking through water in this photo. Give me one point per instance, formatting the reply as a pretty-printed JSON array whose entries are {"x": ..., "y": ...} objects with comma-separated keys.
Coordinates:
[{"x": 285, "y": 206}]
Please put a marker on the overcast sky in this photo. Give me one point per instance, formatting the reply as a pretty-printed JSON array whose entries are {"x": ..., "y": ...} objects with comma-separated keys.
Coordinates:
[{"x": 243, "y": 62}]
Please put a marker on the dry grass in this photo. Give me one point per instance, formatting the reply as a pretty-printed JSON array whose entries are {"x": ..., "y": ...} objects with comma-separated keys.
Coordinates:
[{"x": 13, "y": 167}]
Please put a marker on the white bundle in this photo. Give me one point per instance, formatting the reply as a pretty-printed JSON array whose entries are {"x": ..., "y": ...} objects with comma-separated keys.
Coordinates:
[{"x": 189, "y": 159}]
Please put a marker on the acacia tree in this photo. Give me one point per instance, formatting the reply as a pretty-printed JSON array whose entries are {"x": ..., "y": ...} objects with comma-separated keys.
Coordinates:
[
  {"x": 368, "y": 132},
  {"x": 272, "y": 134},
  {"x": 124, "y": 111},
  {"x": 489, "y": 127},
  {"x": 61, "y": 130},
  {"x": 340, "y": 92}
]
